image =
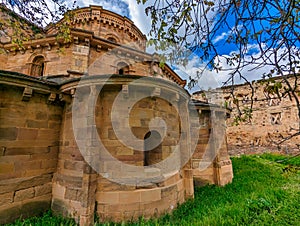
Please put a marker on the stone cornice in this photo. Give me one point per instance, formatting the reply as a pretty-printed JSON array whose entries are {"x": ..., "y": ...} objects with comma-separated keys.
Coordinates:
[
  {"x": 83, "y": 37},
  {"x": 21, "y": 80},
  {"x": 141, "y": 81},
  {"x": 100, "y": 15}
]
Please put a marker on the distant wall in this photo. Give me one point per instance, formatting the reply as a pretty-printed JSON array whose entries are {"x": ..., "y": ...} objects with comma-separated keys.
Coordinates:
[{"x": 273, "y": 117}]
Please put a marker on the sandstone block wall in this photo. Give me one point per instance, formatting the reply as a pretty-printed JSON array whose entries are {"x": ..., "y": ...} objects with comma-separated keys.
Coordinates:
[
  {"x": 78, "y": 189},
  {"x": 29, "y": 142},
  {"x": 108, "y": 25},
  {"x": 41, "y": 164},
  {"x": 210, "y": 161},
  {"x": 50, "y": 152},
  {"x": 131, "y": 203}
]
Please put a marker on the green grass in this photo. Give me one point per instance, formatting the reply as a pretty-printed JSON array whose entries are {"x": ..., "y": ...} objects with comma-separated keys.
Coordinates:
[
  {"x": 46, "y": 220},
  {"x": 265, "y": 191}
]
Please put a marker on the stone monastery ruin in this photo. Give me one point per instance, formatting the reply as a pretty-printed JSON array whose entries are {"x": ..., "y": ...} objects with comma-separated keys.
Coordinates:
[
  {"x": 274, "y": 118},
  {"x": 93, "y": 125}
]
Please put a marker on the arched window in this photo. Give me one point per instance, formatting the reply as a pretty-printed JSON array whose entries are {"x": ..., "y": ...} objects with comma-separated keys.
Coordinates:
[
  {"x": 38, "y": 66},
  {"x": 122, "y": 68},
  {"x": 152, "y": 155},
  {"x": 111, "y": 39}
]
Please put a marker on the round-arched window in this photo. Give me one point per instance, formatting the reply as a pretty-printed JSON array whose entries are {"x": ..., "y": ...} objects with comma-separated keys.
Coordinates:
[
  {"x": 155, "y": 155},
  {"x": 122, "y": 68},
  {"x": 38, "y": 66},
  {"x": 111, "y": 39}
]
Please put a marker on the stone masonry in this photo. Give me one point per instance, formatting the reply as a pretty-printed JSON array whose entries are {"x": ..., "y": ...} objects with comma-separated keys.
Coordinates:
[
  {"x": 274, "y": 117},
  {"x": 67, "y": 108}
]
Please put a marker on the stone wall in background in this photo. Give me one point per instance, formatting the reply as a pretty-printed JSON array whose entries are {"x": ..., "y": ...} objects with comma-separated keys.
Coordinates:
[{"x": 274, "y": 118}]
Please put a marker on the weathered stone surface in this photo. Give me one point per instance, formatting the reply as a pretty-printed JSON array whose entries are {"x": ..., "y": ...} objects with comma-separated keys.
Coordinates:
[
  {"x": 64, "y": 180},
  {"x": 272, "y": 118},
  {"x": 37, "y": 124},
  {"x": 40, "y": 156},
  {"x": 6, "y": 168},
  {"x": 27, "y": 134},
  {"x": 25, "y": 150},
  {"x": 73, "y": 194},
  {"x": 24, "y": 194},
  {"x": 23, "y": 183},
  {"x": 151, "y": 195},
  {"x": 9, "y": 133},
  {"x": 59, "y": 207},
  {"x": 43, "y": 189},
  {"x": 6, "y": 198}
]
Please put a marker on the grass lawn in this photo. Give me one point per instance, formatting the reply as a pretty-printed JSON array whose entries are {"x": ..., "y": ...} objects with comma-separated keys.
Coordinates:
[{"x": 265, "y": 191}]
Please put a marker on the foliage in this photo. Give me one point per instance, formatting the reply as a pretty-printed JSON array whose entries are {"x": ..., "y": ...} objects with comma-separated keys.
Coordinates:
[
  {"x": 195, "y": 24},
  {"x": 246, "y": 117},
  {"x": 39, "y": 12},
  {"x": 262, "y": 193},
  {"x": 259, "y": 33},
  {"x": 47, "y": 219},
  {"x": 24, "y": 20}
]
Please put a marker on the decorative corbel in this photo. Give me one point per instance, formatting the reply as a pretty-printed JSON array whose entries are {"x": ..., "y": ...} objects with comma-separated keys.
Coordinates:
[
  {"x": 65, "y": 98},
  {"x": 175, "y": 98},
  {"x": 31, "y": 49},
  {"x": 87, "y": 42},
  {"x": 13, "y": 52},
  {"x": 48, "y": 46},
  {"x": 27, "y": 94},
  {"x": 98, "y": 48},
  {"x": 76, "y": 40},
  {"x": 51, "y": 97},
  {"x": 72, "y": 92},
  {"x": 57, "y": 45},
  {"x": 22, "y": 50},
  {"x": 39, "y": 48},
  {"x": 2, "y": 150},
  {"x": 125, "y": 91},
  {"x": 156, "y": 92}
]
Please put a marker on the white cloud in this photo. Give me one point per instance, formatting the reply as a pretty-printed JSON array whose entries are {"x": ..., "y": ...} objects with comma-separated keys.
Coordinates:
[
  {"x": 138, "y": 16},
  {"x": 214, "y": 78},
  {"x": 221, "y": 37},
  {"x": 209, "y": 79}
]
